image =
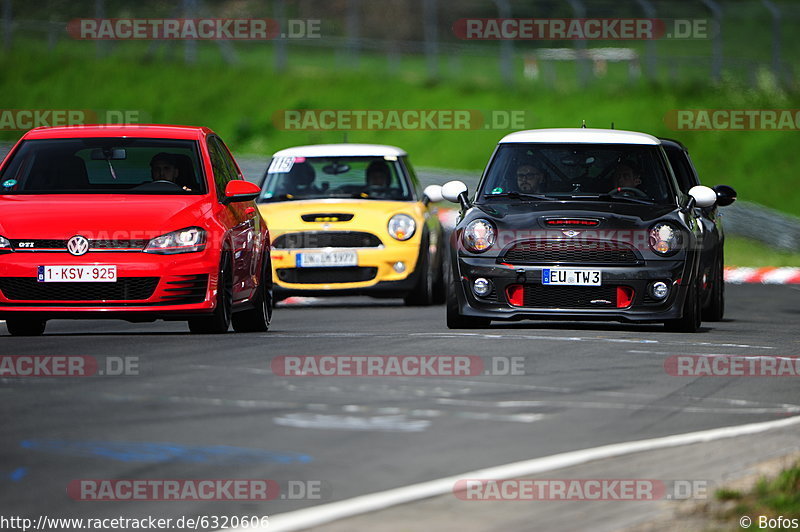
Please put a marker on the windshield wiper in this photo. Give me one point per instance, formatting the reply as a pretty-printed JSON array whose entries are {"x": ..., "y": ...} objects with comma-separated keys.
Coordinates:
[
  {"x": 519, "y": 195},
  {"x": 610, "y": 197}
]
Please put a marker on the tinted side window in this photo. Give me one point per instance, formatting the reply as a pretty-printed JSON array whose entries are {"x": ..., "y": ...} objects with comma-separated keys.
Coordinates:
[
  {"x": 222, "y": 171},
  {"x": 683, "y": 171}
]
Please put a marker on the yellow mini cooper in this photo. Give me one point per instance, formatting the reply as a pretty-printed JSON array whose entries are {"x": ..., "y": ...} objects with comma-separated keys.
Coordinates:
[{"x": 351, "y": 219}]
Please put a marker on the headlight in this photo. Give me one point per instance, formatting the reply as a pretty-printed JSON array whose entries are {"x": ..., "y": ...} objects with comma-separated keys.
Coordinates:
[
  {"x": 665, "y": 239},
  {"x": 479, "y": 235},
  {"x": 5, "y": 245},
  {"x": 180, "y": 241},
  {"x": 402, "y": 226}
]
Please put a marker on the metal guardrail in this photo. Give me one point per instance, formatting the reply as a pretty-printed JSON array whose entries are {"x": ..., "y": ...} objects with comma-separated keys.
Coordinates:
[{"x": 743, "y": 218}]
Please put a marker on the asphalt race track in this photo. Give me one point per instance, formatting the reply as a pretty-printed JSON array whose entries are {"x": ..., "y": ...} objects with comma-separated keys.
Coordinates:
[{"x": 211, "y": 407}]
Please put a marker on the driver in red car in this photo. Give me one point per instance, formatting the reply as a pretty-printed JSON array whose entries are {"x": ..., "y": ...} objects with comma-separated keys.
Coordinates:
[{"x": 163, "y": 167}]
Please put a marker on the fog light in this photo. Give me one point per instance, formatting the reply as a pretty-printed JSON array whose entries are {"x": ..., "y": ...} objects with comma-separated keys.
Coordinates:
[
  {"x": 659, "y": 290},
  {"x": 399, "y": 267},
  {"x": 481, "y": 287}
]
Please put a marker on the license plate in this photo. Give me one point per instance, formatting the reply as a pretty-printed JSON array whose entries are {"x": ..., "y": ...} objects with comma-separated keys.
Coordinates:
[
  {"x": 328, "y": 258},
  {"x": 77, "y": 274},
  {"x": 569, "y": 277}
]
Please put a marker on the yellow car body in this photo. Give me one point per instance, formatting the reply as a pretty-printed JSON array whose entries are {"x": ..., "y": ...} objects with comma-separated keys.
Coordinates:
[{"x": 335, "y": 245}]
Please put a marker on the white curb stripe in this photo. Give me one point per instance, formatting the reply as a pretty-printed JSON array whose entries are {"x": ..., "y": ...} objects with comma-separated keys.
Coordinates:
[
  {"x": 302, "y": 519},
  {"x": 785, "y": 275}
]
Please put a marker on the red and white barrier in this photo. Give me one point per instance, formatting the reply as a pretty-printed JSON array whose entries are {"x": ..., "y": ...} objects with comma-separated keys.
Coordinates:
[{"x": 770, "y": 275}]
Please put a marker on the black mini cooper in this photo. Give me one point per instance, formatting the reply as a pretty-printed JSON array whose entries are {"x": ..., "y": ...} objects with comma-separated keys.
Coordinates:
[{"x": 581, "y": 224}]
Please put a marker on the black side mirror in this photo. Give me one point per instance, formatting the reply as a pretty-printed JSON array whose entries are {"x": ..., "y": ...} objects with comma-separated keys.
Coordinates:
[{"x": 725, "y": 195}]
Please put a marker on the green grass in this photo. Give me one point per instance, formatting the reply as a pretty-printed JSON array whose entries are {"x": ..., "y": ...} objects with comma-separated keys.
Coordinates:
[
  {"x": 740, "y": 251},
  {"x": 771, "y": 497},
  {"x": 239, "y": 102}
]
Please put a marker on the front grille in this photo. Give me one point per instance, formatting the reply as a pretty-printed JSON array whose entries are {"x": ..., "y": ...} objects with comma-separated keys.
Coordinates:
[
  {"x": 124, "y": 289},
  {"x": 185, "y": 289},
  {"x": 327, "y": 217},
  {"x": 117, "y": 244},
  {"x": 344, "y": 274},
  {"x": 325, "y": 239},
  {"x": 578, "y": 297},
  {"x": 567, "y": 251},
  {"x": 61, "y": 245}
]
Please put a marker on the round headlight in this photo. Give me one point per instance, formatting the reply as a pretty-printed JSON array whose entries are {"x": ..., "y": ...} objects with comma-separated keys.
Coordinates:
[
  {"x": 402, "y": 226},
  {"x": 665, "y": 239},
  {"x": 479, "y": 235}
]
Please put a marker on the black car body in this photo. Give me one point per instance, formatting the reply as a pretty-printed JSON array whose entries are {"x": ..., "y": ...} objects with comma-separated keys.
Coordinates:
[
  {"x": 577, "y": 246},
  {"x": 712, "y": 257}
]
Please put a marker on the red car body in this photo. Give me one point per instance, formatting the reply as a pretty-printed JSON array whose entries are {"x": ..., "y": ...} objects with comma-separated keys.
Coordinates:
[{"x": 119, "y": 226}]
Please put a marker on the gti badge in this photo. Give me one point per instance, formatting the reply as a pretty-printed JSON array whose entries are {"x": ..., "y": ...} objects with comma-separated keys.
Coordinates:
[
  {"x": 570, "y": 232},
  {"x": 77, "y": 245}
]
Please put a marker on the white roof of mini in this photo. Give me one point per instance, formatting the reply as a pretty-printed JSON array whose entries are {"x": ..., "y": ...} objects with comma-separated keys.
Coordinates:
[
  {"x": 342, "y": 150},
  {"x": 581, "y": 136}
]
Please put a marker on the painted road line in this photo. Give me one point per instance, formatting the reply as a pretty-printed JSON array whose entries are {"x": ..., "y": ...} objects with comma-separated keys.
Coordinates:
[
  {"x": 326, "y": 513},
  {"x": 768, "y": 275}
]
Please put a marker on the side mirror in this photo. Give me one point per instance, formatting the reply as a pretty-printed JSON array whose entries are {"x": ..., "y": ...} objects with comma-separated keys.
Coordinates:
[
  {"x": 703, "y": 196},
  {"x": 239, "y": 190},
  {"x": 725, "y": 195},
  {"x": 456, "y": 192},
  {"x": 433, "y": 194}
]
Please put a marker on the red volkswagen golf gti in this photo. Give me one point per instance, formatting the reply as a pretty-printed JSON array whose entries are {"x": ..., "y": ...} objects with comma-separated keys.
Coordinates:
[{"x": 130, "y": 222}]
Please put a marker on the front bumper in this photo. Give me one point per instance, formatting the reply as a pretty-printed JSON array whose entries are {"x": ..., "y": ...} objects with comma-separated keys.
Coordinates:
[
  {"x": 148, "y": 286},
  {"x": 642, "y": 307},
  {"x": 375, "y": 264}
]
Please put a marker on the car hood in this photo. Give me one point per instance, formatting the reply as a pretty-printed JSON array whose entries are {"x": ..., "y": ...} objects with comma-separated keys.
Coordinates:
[
  {"x": 64, "y": 215},
  {"x": 610, "y": 213},
  {"x": 333, "y": 214}
]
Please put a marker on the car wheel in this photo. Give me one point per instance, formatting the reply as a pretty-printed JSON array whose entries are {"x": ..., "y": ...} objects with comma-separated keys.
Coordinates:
[
  {"x": 25, "y": 326},
  {"x": 691, "y": 320},
  {"x": 259, "y": 317},
  {"x": 455, "y": 320},
  {"x": 220, "y": 321},
  {"x": 439, "y": 283},
  {"x": 716, "y": 307},
  {"x": 422, "y": 294}
]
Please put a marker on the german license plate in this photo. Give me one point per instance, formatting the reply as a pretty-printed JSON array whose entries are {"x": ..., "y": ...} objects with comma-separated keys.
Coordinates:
[
  {"x": 85, "y": 273},
  {"x": 570, "y": 277},
  {"x": 327, "y": 258}
]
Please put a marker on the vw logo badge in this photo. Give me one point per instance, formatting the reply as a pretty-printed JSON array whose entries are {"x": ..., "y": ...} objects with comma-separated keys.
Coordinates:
[
  {"x": 570, "y": 233},
  {"x": 77, "y": 245}
]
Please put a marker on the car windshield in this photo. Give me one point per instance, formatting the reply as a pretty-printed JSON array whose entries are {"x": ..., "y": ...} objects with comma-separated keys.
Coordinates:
[
  {"x": 299, "y": 178},
  {"x": 589, "y": 172},
  {"x": 104, "y": 166}
]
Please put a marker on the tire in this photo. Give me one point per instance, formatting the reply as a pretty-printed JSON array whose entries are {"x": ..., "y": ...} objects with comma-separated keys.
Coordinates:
[
  {"x": 220, "y": 321},
  {"x": 455, "y": 320},
  {"x": 25, "y": 326},
  {"x": 692, "y": 311},
  {"x": 422, "y": 294},
  {"x": 716, "y": 306},
  {"x": 259, "y": 317},
  {"x": 439, "y": 283}
]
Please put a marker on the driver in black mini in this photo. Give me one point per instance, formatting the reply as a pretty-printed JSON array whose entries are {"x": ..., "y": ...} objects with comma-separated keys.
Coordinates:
[
  {"x": 626, "y": 176},
  {"x": 164, "y": 167}
]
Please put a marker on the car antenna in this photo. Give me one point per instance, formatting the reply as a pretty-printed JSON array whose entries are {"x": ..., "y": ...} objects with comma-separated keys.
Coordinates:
[{"x": 583, "y": 124}]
